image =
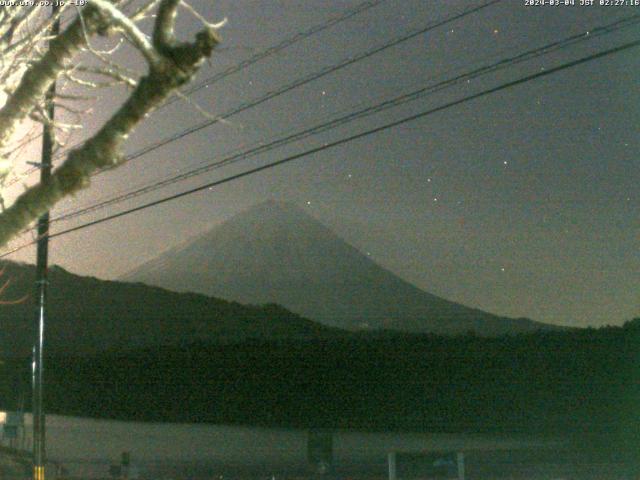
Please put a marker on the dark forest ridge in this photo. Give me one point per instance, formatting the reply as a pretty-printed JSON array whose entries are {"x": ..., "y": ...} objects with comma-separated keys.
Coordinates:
[
  {"x": 88, "y": 315},
  {"x": 575, "y": 382},
  {"x": 276, "y": 253}
]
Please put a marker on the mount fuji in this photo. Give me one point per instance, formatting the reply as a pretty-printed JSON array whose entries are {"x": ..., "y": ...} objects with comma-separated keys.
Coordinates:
[{"x": 276, "y": 253}]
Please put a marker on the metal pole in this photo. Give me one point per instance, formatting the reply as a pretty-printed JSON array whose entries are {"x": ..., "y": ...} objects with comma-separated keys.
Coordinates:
[
  {"x": 460, "y": 462},
  {"x": 392, "y": 459},
  {"x": 39, "y": 430}
]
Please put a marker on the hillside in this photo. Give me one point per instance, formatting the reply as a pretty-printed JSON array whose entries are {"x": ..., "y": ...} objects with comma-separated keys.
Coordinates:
[{"x": 88, "y": 315}]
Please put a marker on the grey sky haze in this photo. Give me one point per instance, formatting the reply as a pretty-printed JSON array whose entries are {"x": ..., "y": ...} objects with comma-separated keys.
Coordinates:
[{"x": 522, "y": 203}]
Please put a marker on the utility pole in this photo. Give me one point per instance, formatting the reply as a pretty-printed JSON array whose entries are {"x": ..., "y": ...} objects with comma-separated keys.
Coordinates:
[{"x": 48, "y": 139}]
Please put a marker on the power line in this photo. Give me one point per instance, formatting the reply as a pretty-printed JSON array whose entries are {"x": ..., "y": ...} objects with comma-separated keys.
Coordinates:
[
  {"x": 279, "y": 47},
  {"x": 314, "y": 76},
  {"x": 348, "y": 139},
  {"x": 307, "y": 79},
  {"x": 298, "y": 83},
  {"x": 352, "y": 116},
  {"x": 267, "y": 52}
]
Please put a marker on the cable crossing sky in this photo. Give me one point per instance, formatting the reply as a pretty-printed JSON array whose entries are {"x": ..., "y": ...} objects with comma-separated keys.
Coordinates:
[
  {"x": 420, "y": 93},
  {"x": 342, "y": 141}
]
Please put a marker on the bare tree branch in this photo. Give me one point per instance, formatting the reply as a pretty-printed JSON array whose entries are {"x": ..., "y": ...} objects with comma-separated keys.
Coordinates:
[
  {"x": 35, "y": 83},
  {"x": 170, "y": 65}
]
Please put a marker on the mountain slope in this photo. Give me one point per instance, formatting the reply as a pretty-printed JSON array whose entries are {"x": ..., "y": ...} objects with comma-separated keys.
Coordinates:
[
  {"x": 274, "y": 252},
  {"x": 88, "y": 315}
]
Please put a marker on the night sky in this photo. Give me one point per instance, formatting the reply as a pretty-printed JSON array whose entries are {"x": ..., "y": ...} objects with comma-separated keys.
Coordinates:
[{"x": 521, "y": 203}]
